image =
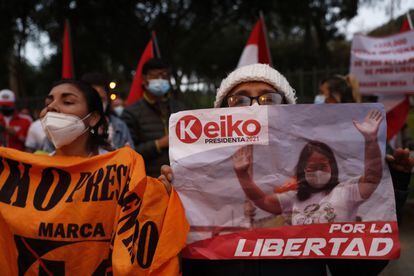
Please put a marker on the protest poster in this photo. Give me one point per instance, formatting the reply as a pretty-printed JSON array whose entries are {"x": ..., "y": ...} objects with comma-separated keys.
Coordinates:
[
  {"x": 285, "y": 181},
  {"x": 63, "y": 215},
  {"x": 384, "y": 65}
]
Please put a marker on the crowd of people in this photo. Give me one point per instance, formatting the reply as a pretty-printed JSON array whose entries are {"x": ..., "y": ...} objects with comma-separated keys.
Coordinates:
[
  {"x": 79, "y": 119},
  {"x": 143, "y": 126}
]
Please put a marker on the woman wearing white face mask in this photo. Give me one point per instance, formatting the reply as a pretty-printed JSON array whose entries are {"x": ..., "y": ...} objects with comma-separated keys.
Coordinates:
[
  {"x": 72, "y": 116},
  {"x": 320, "y": 198}
]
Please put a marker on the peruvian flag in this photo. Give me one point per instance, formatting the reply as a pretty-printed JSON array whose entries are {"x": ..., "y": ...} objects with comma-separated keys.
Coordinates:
[
  {"x": 257, "y": 49},
  {"x": 136, "y": 91},
  {"x": 67, "y": 61},
  {"x": 397, "y": 106}
]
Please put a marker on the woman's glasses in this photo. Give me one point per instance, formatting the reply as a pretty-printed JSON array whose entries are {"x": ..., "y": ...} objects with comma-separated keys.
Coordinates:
[{"x": 265, "y": 99}]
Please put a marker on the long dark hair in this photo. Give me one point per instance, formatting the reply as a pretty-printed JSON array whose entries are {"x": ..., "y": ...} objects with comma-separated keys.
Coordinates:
[
  {"x": 99, "y": 133},
  {"x": 99, "y": 79},
  {"x": 338, "y": 84},
  {"x": 304, "y": 189}
]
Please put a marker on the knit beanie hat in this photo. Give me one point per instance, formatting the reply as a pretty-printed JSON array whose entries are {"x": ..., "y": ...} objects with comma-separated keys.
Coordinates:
[{"x": 255, "y": 72}]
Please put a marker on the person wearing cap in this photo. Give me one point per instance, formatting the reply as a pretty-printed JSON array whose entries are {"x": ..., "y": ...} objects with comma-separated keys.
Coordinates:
[
  {"x": 13, "y": 127},
  {"x": 147, "y": 119}
]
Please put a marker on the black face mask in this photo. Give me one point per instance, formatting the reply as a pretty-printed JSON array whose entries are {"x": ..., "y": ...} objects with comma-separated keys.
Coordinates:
[{"x": 7, "y": 111}]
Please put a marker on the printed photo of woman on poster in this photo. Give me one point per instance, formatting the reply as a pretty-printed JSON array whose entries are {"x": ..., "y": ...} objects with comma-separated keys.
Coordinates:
[{"x": 320, "y": 197}]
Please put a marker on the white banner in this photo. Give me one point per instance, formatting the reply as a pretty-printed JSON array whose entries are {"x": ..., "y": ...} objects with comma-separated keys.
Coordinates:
[{"x": 384, "y": 65}]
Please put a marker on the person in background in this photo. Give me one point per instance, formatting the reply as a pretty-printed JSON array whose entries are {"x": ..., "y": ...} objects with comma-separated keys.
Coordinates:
[
  {"x": 345, "y": 89},
  {"x": 338, "y": 89},
  {"x": 25, "y": 112},
  {"x": 148, "y": 118},
  {"x": 118, "y": 132},
  {"x": 118, "y": 106},
  {"x": 13, "y": 126},
  {"x": 36, "y": 137}
]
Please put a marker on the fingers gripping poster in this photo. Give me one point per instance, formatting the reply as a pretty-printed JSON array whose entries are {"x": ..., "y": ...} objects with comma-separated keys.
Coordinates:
[{"x": 292, "y": 181}]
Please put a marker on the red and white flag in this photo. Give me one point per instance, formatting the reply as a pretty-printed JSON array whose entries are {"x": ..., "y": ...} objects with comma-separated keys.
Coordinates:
[
  {"x": 67, "y": 60},
  {"x": 257, "y": 49},
  {"x": 136, "y": 91},
  {"x": 397, "y": 106}
]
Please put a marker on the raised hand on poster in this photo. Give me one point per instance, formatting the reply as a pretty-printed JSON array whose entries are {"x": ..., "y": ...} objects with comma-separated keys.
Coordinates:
[
  {"x": 373, "y": 161},
  {"x": 369, "y": 127},
  {"x": 243, "y": 160},
  {"x": 243, "y": 166}
]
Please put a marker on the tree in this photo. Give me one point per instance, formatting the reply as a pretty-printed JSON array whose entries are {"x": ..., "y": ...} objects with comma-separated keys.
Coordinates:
[
  {"x": 201, "y": 39},
  {"x": 15, "y": 27}
]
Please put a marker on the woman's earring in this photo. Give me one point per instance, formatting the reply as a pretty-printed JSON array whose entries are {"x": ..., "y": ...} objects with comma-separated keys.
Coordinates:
[{"x": 92, "y": 131}]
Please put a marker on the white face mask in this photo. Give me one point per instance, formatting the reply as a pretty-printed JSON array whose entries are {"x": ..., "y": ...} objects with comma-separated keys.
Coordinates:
[
  {"x": 158, "y": 87},
  {"x": 319, "y": 99},
  {"x": 63, "y": 129},
  {"x": 317, "y": 179},
  {"x": 118, "y": 110}
]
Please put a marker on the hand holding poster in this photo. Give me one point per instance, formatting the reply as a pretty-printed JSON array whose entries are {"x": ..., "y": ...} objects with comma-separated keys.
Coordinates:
[
  {"x": 384, "y": 65},
  {"x": 258, "y": 182}
]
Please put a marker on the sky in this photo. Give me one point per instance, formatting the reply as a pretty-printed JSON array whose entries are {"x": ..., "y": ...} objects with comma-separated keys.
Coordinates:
[{"x": 367, "y": 19}]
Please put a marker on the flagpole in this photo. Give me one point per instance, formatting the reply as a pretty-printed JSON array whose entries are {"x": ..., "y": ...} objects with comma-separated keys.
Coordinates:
[
  {"x": 410, "y": 23},
  {"x": 67, "y": 53},
  {"x": 266, "y": 39},
  {"x": 155, "y": 41},
  {"x": 71, "y": 49}
]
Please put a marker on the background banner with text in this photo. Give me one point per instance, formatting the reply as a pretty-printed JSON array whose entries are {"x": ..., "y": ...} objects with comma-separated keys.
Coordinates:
[{"x": 384, "y": 65}]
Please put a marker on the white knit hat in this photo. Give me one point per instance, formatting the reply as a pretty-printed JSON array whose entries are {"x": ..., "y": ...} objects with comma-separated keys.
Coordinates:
[{"x": 255, "y": 72}]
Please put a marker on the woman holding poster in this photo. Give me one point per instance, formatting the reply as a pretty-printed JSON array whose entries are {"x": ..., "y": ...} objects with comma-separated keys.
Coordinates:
[
  {"x": 320, "y": 198},
  {"x": 85, "y": 211},
  {"x": 259, "y": 84},
  {"x": 256, "y": 84}
]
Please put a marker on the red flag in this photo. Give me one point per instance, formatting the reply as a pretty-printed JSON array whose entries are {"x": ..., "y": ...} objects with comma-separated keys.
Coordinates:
[
  {"x": 67, "y": 62},
  {"x": 405, "y": 25},
  {"x": 136, "y": 91},
  {"x": 397, "y": 115},
  {"x": 256, "y": 49}
]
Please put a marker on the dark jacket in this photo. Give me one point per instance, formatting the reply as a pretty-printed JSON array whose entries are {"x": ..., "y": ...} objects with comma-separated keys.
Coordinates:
[{"x": 148, "y": 122}]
